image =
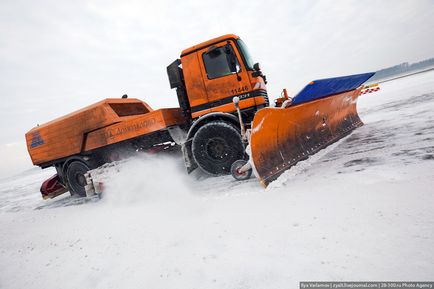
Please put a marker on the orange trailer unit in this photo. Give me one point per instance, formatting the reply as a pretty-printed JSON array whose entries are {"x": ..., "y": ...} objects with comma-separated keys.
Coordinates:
[{"x": 110, "y": 121}]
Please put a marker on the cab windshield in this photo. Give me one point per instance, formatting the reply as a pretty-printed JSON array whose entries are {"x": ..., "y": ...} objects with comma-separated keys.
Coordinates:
[{"x": 246, "y": 54}]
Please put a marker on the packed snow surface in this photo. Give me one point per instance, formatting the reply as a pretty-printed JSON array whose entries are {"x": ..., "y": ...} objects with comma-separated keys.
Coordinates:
[{"x": 362, "y": 209}]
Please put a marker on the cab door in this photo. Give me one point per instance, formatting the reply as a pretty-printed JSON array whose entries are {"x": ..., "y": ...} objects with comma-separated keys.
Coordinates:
[{"x": 224, "y": 74}]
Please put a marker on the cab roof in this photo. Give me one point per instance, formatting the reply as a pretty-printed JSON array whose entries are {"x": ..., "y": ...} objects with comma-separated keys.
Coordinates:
[{"x": 208, "y": 43}]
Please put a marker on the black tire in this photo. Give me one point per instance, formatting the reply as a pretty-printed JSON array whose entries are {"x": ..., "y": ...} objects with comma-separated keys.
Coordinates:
[
  {"x": 216, "y": 146},
  {"x": 75, "y": 177},
  {"x": 237, "y": 174}
]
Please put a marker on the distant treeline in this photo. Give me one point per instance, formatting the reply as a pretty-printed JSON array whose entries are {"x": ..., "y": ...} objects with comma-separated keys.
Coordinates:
[{"x": 403, "y": 68}]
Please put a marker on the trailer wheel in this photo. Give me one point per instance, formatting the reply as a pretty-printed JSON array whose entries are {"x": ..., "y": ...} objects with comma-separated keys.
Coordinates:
[
  {"x": 75, "y": 177},
  {"x": 216, "y": 146}
]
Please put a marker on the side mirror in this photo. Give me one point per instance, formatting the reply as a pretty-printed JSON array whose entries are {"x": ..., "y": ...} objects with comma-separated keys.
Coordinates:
[{"x": 256, "y": 66}]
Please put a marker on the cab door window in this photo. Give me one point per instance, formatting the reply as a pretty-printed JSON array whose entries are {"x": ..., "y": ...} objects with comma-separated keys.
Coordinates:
[{"x": 217, "y": 62}]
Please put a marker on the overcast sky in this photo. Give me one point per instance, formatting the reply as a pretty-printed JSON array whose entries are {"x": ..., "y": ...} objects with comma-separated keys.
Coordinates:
[{"x": 57, "y": 56}]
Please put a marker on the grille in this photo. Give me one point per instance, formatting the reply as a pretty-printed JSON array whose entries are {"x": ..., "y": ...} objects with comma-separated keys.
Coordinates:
[{"x": 263, "y": 93}]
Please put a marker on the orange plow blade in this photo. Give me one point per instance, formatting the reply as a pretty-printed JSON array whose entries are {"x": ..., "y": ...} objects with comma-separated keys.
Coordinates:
[{"x": 280, "y": 137}]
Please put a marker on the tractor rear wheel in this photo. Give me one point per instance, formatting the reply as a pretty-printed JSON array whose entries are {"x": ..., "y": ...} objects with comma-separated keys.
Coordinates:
[
  {"x": 216, "y": 146},
  {"x": 76, "y": 179}
]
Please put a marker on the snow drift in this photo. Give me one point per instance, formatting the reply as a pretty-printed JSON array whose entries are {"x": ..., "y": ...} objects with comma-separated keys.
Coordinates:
[{"x": 360, "y": 210}]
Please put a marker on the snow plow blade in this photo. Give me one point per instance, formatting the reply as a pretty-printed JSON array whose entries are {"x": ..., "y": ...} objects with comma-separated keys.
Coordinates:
[{"x": 321, "y": 114}]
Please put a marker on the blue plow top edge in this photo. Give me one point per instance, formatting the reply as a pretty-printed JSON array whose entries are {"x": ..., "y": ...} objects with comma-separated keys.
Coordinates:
[{"x": 325, "y": 87}]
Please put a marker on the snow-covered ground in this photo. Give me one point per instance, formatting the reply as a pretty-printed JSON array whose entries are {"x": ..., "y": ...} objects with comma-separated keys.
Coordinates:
[{"x": 360, "y": 210}]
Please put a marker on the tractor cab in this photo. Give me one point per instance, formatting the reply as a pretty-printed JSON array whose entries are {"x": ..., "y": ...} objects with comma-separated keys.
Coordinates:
[{"x": 209, "y": 75}]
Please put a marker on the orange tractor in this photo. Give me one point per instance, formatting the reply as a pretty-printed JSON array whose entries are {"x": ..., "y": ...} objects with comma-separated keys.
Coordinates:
[{"x": 222, "y": 109}]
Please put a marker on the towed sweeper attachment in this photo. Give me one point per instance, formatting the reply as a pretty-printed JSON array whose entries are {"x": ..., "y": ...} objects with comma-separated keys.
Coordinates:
[{"x": 322, "y": 113}]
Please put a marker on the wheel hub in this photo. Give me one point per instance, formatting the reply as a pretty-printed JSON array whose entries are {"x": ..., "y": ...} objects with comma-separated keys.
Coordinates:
[
  {"x": 81, "y": 180},
  {"x": 217, "y": 148}
]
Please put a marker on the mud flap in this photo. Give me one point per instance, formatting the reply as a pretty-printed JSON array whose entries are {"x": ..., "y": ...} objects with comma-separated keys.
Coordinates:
[
  {"x": 190, "y": 164},
  {"x": 283, "y": 136}
]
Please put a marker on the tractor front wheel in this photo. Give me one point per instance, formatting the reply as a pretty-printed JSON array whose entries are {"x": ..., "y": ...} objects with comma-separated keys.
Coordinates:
[{"x": 216, "y": 146}]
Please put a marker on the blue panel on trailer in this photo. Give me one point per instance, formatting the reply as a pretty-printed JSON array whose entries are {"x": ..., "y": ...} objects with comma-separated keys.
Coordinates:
[{"x": 329, "y": 86}]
